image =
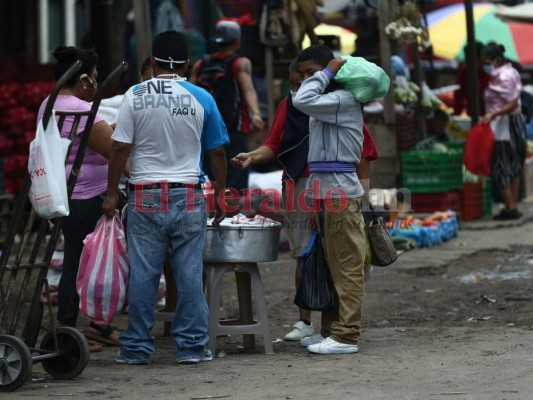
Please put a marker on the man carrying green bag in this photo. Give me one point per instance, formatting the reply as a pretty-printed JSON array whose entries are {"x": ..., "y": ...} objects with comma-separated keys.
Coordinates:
[
  {"x": 335, "y": 144},
  {"x": 364, "y": 79}
]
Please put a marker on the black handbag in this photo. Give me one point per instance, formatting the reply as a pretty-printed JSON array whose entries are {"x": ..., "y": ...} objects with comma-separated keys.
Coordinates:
[{"x": 383, "y": 252}]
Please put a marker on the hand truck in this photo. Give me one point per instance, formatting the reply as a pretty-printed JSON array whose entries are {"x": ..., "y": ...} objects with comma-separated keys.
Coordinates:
[{"x": 63, "y": 351}]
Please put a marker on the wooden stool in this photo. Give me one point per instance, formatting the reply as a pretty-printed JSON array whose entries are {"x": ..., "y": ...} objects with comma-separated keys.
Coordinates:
[{"x": 248, "y": 277}]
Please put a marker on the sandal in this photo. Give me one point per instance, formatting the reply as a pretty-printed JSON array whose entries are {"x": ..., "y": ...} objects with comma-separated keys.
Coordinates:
[
  {"x": 95, "y": 347},
  {"x": 103, "y": 334}
]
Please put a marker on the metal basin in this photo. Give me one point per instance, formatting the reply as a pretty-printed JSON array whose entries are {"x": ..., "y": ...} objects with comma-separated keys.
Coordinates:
[{"x": 242, "y": 243}]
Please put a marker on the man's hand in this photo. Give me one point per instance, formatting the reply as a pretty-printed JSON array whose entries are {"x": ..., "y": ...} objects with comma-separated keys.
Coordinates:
[
  {"x": 241, "y": 160},
  {"x": 336, "y": 64},
  {"x": 109, "y": 204},
  {"x": 218, "y": 217}
]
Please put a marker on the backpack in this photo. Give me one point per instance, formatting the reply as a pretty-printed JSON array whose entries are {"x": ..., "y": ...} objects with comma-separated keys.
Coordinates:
[{"x": 216, "y": 76}]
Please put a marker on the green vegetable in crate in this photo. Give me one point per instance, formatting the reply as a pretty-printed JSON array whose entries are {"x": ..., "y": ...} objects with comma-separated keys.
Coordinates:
[
  {"x": 439, "y": 147},
  {"x": 426, "y": 144},
  {"x": 404, "y": 96},
  {"x": 414, "y": 87},
  {"x": 364, "y": 79},
  {"x": 400, "y": 95},
  {"x": 429, "y": 101},
  {"x": 403, "y": 243}
]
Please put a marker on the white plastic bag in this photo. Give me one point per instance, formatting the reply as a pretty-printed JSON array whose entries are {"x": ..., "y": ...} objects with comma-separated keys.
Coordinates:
[{"x": 46, "y": 165}]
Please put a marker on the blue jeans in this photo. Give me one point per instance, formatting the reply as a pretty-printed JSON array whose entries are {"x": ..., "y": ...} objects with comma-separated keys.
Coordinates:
[{"x": 157, "y": 227}]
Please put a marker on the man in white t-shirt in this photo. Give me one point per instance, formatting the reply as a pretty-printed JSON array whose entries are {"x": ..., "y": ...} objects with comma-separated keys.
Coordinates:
[{"x": 165, "y": 124}]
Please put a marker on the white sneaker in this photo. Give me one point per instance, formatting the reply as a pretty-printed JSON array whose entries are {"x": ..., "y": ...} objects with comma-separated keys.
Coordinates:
[
  {"x": 330, "y": 346},
  {"x": 299, "y": 331},
  {"x": 313, "y": 339}
]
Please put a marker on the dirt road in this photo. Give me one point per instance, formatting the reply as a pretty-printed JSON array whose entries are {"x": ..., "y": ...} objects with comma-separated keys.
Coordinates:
[{"x": 449, "y": 322}]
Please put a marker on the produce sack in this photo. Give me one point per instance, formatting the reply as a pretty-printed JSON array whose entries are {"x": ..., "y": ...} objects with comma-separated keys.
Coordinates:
[
  {"x": 103, "y": 274},
  {"x": 316, "y": 291},
  {"x": 479, "y": 148},
  {"x": 364, "y": 79},
  {"x": 46, "y": 166}
]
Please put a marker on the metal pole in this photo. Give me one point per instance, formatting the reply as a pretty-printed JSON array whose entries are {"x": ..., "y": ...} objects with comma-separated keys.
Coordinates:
[
  {"x": 471, "y": 60},
  {"x": 43, "y": 31},
  {"x": 69, "y": 10}
]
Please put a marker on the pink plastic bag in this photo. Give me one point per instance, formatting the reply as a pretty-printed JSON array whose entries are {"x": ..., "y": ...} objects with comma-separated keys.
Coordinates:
[{"x": 103, "y": 274}]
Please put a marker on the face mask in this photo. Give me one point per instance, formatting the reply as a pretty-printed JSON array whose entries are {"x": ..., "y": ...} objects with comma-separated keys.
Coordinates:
[
  {"x": 488, "y": 68},
  {"x": 93, "y": 83},
  {"x": 293, "y": 93}
]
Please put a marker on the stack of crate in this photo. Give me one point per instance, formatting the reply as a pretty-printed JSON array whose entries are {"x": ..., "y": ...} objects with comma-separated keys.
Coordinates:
[
  {"x": 472, "y": 201},
  {"x": 434, "y": 179}
]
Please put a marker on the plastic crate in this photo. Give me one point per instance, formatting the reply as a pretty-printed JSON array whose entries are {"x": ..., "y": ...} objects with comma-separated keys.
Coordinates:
[
  {"x": 430, "y": 171},
  {"x": 487, "y": 197},
  {"x": 472, "y": 201},
  {"x": 431, "y": 202}
]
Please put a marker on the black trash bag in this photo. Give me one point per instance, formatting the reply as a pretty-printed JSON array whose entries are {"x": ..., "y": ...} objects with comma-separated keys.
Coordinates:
[{"x": 316, "y": 291}]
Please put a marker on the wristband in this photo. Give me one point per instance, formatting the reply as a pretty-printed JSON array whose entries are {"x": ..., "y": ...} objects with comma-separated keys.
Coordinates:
[{"x": 329, "y": 73}]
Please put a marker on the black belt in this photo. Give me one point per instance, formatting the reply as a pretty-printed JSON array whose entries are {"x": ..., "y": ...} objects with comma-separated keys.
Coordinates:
[{"x": 159, "y": 185}]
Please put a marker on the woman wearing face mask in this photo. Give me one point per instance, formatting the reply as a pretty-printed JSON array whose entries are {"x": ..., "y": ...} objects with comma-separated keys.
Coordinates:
[
  {"x": 502, "y": 100},
  {"x": 86, "y": 201}
]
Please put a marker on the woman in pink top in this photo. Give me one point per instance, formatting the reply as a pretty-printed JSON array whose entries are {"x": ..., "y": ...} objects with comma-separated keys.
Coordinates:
[
  {"x": 86, "y": 201},
  {"x": 502, "y": 101}
]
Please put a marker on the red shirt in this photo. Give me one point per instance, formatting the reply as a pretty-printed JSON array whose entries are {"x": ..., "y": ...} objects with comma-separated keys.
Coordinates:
[
  {"x": 275, "y": 136},
  {"x": 461, "y": 94}
]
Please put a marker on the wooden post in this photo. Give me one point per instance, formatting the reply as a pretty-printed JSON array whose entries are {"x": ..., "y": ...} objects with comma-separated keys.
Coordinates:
[
  {"x": 385, "y": 54},
  {"x": 471, "y": 60},
  {"x": 384, "y": 171}
]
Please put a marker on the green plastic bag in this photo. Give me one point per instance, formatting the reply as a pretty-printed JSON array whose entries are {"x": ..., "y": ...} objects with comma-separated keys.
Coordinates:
[{"x": 364, "y": 79}]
